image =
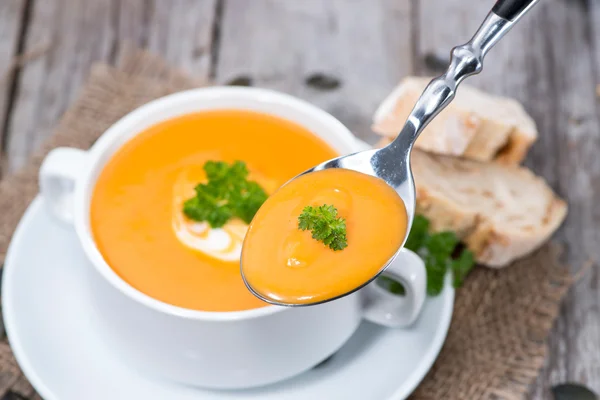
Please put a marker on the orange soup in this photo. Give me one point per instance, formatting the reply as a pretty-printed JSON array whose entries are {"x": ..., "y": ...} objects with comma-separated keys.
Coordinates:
[
  {"x": 136, "y": 209},
  {"x": 285, "y": 264}
]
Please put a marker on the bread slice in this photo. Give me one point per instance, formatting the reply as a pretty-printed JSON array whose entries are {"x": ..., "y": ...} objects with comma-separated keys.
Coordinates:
[
  {"x": 475, "y": 125},
  {"x": 501, "y": 212}
]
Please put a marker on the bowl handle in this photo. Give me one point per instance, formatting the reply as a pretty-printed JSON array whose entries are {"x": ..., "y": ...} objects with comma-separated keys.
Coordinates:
[
  {"x": 57, "y": 178},
  {"x": 385, "y": 308}
]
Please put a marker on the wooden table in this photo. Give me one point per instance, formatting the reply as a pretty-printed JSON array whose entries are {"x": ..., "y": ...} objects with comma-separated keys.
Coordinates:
[{"x": 360, "y": 49}]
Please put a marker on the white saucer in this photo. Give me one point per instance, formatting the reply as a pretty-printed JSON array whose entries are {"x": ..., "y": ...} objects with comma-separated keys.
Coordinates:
[{"x": 52, "y": 330}]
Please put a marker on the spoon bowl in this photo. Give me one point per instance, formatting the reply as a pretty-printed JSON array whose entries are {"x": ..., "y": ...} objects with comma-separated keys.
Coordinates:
[{"x": 392, "y": 162}]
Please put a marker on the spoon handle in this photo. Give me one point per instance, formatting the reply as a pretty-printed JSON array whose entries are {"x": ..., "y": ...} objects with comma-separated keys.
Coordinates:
[
  {"x": 512, "y": 9},
  {"x": 466, "y": 60}
]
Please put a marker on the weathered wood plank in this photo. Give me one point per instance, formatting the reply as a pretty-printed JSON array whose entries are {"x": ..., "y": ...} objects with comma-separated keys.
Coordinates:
[
  {"x": 180, "y": 30},
  {"x": 594, "y": 24},
  {"x": 80, "y": 33},
  {"x": 86, "y": 32},
  {"x": 575, "y": 126},
  {"x": 532, "y": 64},
  {"x": 364, "y": 45},
  {"x": 11, "y": 19}
]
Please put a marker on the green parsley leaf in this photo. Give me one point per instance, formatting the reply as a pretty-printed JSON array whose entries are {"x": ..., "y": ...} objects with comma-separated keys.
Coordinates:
[
  {"x": 325, "y": 225},
  {"x": 391, "y": 285},
  {"x": 436, "y": 272},
  {"x": 418, "y": 233},
  {"x": 462, "y": 266},
  {"x": 441, "y": 245},
  {"x": 438, "y": 252},
  {"x": 227, "y": 194},
  {"x": 204, "y": 208}
]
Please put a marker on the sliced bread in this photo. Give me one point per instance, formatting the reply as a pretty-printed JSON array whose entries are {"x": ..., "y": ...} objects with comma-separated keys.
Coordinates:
[
  {"x": 501, "y": 212},
  {"x": 475, "y": 125}
]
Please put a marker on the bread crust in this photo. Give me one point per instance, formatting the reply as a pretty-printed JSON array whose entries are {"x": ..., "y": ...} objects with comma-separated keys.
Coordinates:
[
  {"x": 476, "y": 125},
  {"x": 500, "y": 212},
  {"x": 480, "y": 203}
]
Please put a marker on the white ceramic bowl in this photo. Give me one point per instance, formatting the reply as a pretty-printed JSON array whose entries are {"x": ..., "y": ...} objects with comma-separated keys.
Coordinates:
[{"x": 217, "y": 349}]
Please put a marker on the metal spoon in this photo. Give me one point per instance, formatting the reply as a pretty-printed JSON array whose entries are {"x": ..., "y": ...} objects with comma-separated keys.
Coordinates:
[{"x": 392, "y": 163}]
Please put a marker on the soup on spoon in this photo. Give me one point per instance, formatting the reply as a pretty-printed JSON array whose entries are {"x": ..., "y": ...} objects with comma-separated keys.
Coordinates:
[
  {"x": 283, "y": 266},
  {"x": 321, "y": 236}
]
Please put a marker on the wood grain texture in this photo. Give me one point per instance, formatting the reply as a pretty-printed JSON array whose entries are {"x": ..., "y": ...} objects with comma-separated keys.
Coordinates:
[
  {"x": 80, "y": 32},
  {"x": 547, "y": 63},
  {"x": 363, "y": 45},
  {"x": 84, "y": 32},
  {"x": 11, "y": 19},
  {"x": 574, "y": 127},
  {"x": 180, "y": 31}
]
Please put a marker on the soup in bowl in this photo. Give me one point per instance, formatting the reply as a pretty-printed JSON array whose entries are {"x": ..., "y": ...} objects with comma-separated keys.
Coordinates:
[
  {"x": 136, "y": 212},
  {"x": 166, "y": 286}
]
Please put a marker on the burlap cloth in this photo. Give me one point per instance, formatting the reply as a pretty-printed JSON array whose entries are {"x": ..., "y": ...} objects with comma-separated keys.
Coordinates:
[{"x": 496, "y": 343}]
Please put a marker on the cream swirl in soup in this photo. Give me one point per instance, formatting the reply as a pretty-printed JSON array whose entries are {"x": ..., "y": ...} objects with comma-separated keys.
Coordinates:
[{"x": 223, "y": 243}]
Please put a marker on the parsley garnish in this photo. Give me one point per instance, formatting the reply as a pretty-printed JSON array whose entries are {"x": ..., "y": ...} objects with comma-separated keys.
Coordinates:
[
  {"x": 325, "y": 225},
  {"x": 438, "y": 251},
  {"x": 391, "y": 285},
  {"x": 227, "y": 194}
]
